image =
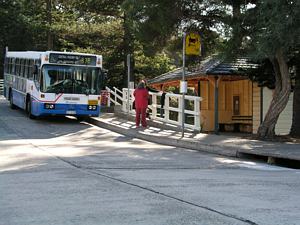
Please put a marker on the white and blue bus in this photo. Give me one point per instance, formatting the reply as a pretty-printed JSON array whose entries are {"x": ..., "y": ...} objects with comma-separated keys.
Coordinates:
[{"x": 54, "y": 83}]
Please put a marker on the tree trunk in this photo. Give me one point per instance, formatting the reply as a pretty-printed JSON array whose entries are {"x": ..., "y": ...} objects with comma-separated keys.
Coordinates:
[
  {"x": 236, "y": 26},
  {"x": 280, "y": 96},
  {"x": 295, "y": 130},
  {"x": 49, "y": 32}
]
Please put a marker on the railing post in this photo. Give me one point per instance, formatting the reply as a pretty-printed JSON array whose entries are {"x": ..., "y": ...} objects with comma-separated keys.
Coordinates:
[
  {"x": 115, "y": 93},
  {"x": 181, "y": 112},
  {"x": 166, "y": 108},
  {"x": 108, "y": 99},
  {"x": 197, "y": 122},
  {"x": 154, "y": 105},
  {"x": 124, "y": 105},
  {"x": 108, "y": 96},
  {"x": 131, "y": 97}
]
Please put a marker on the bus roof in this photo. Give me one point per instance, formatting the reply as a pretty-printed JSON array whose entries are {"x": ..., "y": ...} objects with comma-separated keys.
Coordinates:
[
  {"x": 25, "y": 55},
  {"x": 37, "y": 55}
]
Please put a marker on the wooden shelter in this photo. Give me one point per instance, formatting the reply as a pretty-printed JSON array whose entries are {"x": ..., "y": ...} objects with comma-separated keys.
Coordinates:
[{"x": 231, "y": 101}]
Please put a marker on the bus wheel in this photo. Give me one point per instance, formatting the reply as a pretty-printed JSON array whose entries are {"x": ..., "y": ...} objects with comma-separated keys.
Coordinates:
[
  {"x": 28, "y": 107},
  {"x": 11, "y": 101}
]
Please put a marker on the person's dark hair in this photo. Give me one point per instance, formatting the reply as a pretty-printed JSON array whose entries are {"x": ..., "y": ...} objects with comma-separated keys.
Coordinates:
[{"x": 141, "y": 85}]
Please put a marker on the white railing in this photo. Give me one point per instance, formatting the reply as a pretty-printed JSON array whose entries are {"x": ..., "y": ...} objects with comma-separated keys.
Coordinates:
[
  {"x": 1, "y": 86},
  {"x": 125, "y": 106},
  {"x": 172, "y": 111},
  {"x": 115, "y": 96}
]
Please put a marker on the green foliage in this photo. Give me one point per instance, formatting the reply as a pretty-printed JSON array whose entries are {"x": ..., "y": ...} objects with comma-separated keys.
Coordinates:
[
  {"x": 275, "y": 25},
  {"x": 260, "y": 30},
  {"x": 263, "y": 75},
  {"x": 96, "y": 26},
  {"x": 149, "y": 67},
  {"x": 159, "y": 24},
  {"x": 151, "y": 30},
  {"x": 154, "y": 21},
  {"x": 15, "y": 29}
]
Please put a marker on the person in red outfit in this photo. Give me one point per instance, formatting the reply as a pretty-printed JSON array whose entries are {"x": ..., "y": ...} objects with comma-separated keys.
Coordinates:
[{"x": 141, "y": 96}]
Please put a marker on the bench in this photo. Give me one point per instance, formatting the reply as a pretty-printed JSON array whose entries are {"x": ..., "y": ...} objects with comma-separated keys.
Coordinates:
[
  {"x": 238, "y": 123},
  {"x": 242, "y": 119}
]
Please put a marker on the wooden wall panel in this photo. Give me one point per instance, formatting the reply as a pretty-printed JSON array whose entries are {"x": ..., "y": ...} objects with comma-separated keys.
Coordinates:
[
  {"x": 245, "y": 97},
  {"x": 250, "y": 93},
  {"x": 204, "y": 95},
  {"x": 211, "y": 93},
  {"x": 222, "y": 96},
  {"x": 256, "y": 107},
  {"x": 229, "y": 90}
]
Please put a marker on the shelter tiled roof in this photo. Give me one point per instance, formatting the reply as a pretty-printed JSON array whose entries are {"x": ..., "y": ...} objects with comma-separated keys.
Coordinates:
[
  {"x": 210, "y": 66},
  {"x": 234, "y": 67}
]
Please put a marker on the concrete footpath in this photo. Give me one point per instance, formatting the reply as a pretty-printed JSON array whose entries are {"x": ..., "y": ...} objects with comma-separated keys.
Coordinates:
[{"x": 226, "y": 145}]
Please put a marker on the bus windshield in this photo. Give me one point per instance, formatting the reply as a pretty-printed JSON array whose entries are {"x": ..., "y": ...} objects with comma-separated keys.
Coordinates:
[{"x": 70, "y": 79}]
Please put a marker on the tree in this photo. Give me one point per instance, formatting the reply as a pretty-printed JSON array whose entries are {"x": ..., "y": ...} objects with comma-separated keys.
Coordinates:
[
  {"x": 157, "y": 24},
  {"x": 295, "y": 129},
  {"x": 92, "y": 26},
  {"x": 262, "y": 30},
  {"x": 15, "y": 30},
  {"x": 271, "y": 39}
]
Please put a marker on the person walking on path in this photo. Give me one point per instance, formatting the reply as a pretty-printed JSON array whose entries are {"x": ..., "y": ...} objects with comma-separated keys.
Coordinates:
[
  {"x": 141, "y": 96},
  {"x": 150, "y": 89}
]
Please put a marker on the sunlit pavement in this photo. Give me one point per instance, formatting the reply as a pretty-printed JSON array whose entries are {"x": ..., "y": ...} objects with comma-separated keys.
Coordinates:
[
  {"x": 226, "y": 145},
  {"x": 59, "y": 171}
]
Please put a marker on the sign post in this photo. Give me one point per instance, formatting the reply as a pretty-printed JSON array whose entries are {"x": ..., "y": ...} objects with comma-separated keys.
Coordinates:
[
  {"x": 128, "y": 83},
  {"x": 191, "y": 46},
  {"x": 182, "y": 84}
]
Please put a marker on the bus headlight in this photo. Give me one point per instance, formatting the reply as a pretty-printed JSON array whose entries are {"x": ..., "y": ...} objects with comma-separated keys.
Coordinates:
[
  {"x": 92, "y": 107},
  {"x": 49, "y": 106}
]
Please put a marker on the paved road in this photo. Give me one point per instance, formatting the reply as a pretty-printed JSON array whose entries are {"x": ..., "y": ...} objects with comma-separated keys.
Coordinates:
[{"x": 59, "y": 171}]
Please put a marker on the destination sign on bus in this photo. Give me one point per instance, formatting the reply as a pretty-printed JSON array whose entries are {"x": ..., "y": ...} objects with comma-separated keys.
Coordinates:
[{"x": 72, "y": 59}]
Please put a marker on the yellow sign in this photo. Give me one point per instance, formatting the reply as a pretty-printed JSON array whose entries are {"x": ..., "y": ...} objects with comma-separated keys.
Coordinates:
[
  {"x": 93, "y": 102},
  {"x": 192, "y": 44}
]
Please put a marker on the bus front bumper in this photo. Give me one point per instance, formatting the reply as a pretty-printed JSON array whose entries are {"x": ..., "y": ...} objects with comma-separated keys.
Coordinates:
[{"x": 43, "y": 109}]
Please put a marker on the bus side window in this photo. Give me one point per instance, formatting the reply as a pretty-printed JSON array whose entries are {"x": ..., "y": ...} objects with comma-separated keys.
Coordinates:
[
  {"x": 38, "y": 75},
  {"x": 21, "y": 72},
  {"x": 17, "y": 66},
  {"x": 9, "y": 65},
  {"x": 35, "y": 73},
  {"x": 31, "y": 69},
  {"x": 12, "y": 63},
  {"x": 22, "y": 67},
  {"x": 26, "y": 68},
  {"x": 37, "y": 62},
  {"x": 13, "y": 66}
]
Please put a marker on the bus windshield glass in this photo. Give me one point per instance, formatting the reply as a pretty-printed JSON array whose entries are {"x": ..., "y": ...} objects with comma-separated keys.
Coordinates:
[{"x": 70, "y": 79}]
